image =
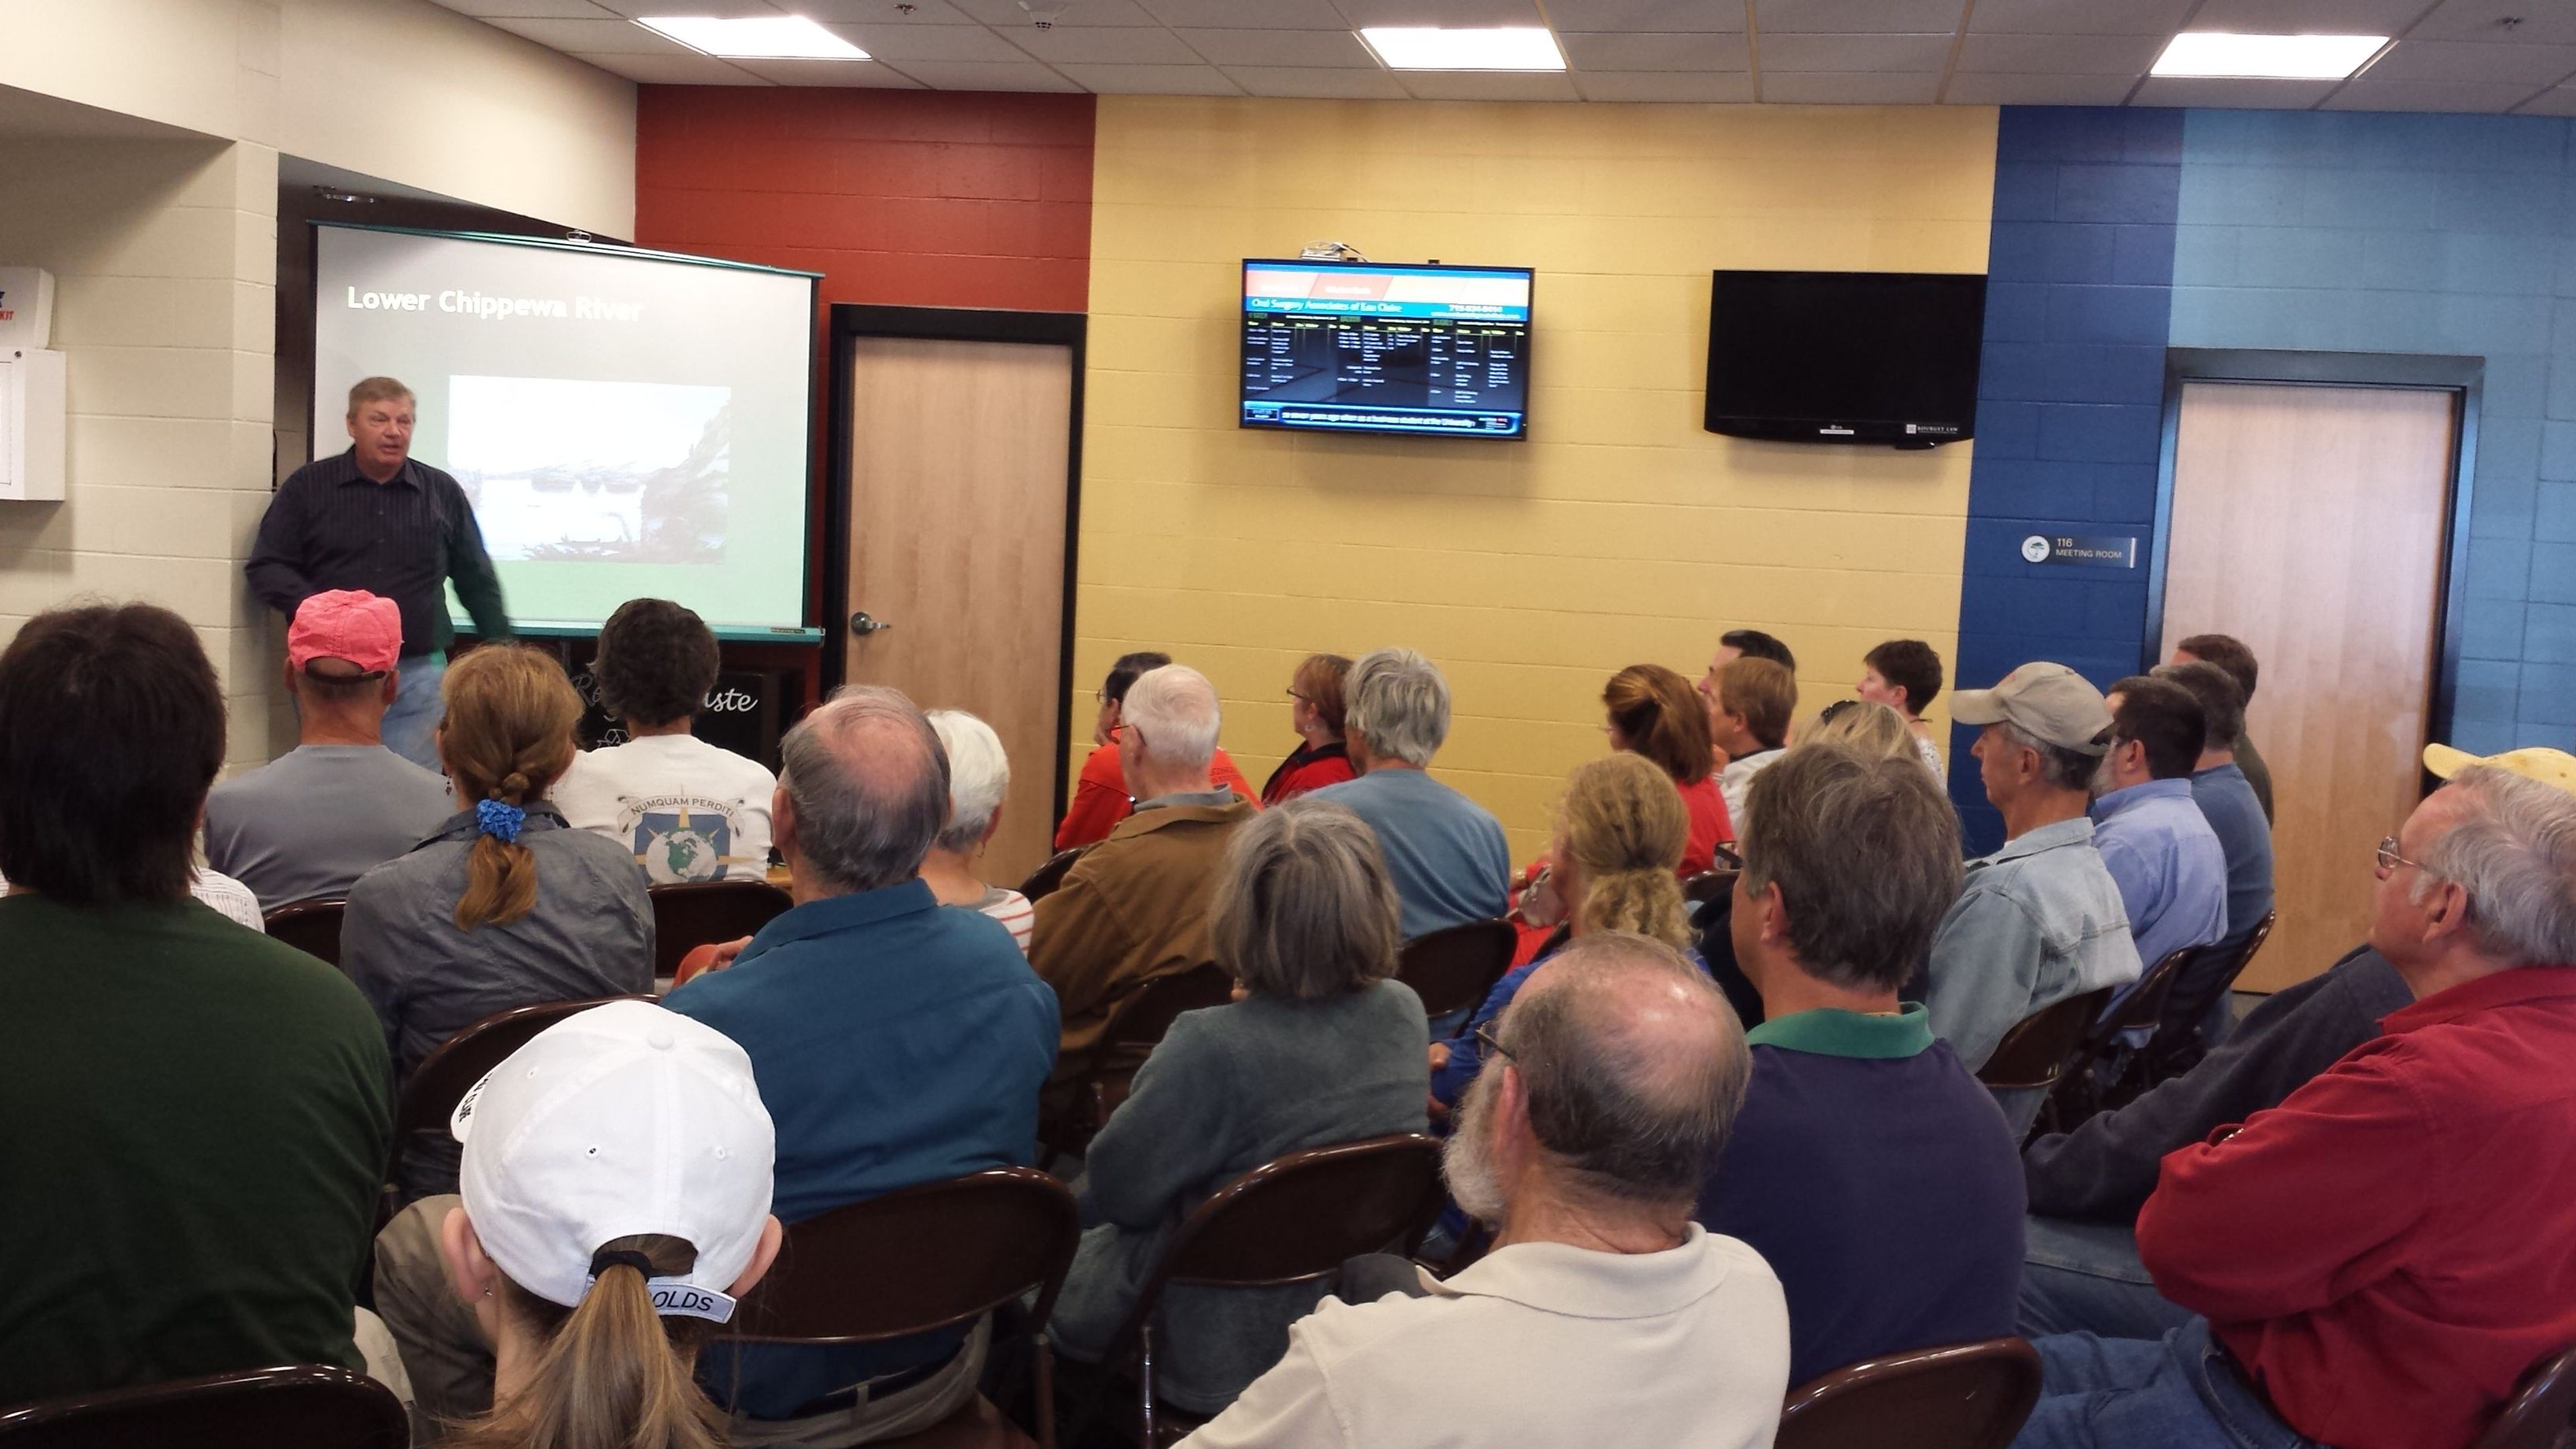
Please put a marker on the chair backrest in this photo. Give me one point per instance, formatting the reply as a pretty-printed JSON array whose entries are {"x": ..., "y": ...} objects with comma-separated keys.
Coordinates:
[
  {"x": 445, "y": 1075},
  {"x": 1966, "y": 1396},
  {"x": 1133, "y": 1032},
  {"x": 310, "y": 1406},
  {"x": 918, "y": 1259},
  {"x": 1297, "y": 1218},
  {"x": 2043, "y": 1045},
  {"x": 312, "y": 927},
  {"x": 704, "y": 913},
  {"x": 1050, "y": 873},
  {"x": 2211, "y": 975},
  {"x": 1452, "y": 969},
  {"x": 2145, "y": 1003},
  {"x": 2540, "y": 1411}
]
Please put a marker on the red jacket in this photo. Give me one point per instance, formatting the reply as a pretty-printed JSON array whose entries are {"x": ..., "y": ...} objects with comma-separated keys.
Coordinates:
[
  {"x": 1309, "y": 768},
  {"x": 1709, "y": 827},
  {"x": 1100, "y": 796},
  {"x": 2389, "y": 1250}
]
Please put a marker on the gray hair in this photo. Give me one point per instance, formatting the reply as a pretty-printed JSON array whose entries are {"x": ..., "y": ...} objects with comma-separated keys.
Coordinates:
[
  {"x": 1865, "y": 851},
  {"x": 2512, "y": 849},
  {"x": 979, "y": 775},
  {"x": 869, "y": 782},
  {"x": 2059, "y": 767},
  {"x": 1303, "y": 906},
  {"x": 1635, "y": 1109},
  {"x": 1397, "y": 702},
  {"x": 1869, "y": 727},
  {"x": 1175, "y": 708}
]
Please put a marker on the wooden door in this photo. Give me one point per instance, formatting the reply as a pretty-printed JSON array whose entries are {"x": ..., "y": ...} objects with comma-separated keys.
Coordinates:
[
  {"x": 2309, "y": 521},
  {"x": 957, "y": 544}
]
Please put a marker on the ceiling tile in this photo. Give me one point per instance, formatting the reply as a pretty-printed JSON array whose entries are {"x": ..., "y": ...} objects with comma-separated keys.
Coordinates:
[
  {"x": 595, "y": 37},
  {"x": 1487, "y": 85},
  {"x": 931, "y": 42},
  {"x": 1854, "y": 88},
  {"x": 1152, "y": 80},
  {"x": 1655, "y": 15},
  {"x": 1658, "y": 52},
  {"x": 1104, "y": 45},
  {"x": 2249, "y": 95},
  {"x": 1647, "y": 85},
  {"x": 724, "y": 8},
  {"x": 2372, "y": 94},
  {"x": 1452, "y": 13},
  {"x": 968, "y": 75},
  {"x": 1991, "y": 89},
  {"x": 1249, "y": 14},
  {"x": 1863, "y": 17},
  {"x": 879, "y": 12},
  {"x": 1008, "y": 14},
  {"x": 2528, "y": 63},
  {"x": 2308, "y": 17},
  {"x": 2061, "y": 55},
  {"x": 2547, "y": 22},
  {"x": 1312, "y": 82},
  {"x": 530, "y": 9},
  {"x": 2159, "y": 18},
  {"x": 1783, "y": 53},
  {"x": 1303, "y": 48},
  {"x": 676, "y": 70},
  {"x": 866, "y": 74},
  {"x": 2560, "y": 102}
]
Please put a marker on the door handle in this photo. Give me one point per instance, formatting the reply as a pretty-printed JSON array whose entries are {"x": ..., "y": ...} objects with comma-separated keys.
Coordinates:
[{"x": 861, "y": 624}]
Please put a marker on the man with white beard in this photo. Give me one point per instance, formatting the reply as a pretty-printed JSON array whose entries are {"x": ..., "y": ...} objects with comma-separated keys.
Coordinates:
[{"x": 1620, "y": 1069}]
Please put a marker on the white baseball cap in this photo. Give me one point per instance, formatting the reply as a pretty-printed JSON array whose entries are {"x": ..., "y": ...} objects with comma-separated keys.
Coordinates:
[{"x": 625, "y": 1119}]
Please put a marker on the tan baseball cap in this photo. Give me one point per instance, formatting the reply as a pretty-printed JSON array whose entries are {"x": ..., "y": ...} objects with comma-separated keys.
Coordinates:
[
  {"x": 2048, "y": 702},
  {"x": 2536, "y": 762}
]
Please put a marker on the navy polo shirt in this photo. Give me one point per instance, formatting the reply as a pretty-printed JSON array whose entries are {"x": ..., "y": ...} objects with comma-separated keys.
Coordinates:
[{"x": 1880, "y": 1182}]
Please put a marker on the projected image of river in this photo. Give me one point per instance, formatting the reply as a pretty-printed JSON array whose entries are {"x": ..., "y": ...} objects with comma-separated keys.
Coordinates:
[{"x": 570, "y": 469}]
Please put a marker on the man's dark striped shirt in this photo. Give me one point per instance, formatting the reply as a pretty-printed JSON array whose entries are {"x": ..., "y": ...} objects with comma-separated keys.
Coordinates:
[{"x": 330, "y": 526}]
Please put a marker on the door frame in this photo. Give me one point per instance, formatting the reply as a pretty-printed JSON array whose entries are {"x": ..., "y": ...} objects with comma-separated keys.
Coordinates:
[
  {"x": 852, "y": 321},
  {"x": 2462, "y": 376}
]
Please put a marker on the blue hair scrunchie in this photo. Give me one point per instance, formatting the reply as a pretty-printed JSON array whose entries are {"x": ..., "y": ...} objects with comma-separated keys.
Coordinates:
[{"x": 500, "y": 819}]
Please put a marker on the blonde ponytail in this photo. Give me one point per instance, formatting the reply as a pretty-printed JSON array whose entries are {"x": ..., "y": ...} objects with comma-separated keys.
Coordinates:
[
  {"x": 1625, "y": 830},
  {"x": 613, "y": 1374},
  {"x": 507, "y": 736}
]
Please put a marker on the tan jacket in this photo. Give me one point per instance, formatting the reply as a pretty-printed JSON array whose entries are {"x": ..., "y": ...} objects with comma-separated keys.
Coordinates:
[{"x": 1133, "y": 908}]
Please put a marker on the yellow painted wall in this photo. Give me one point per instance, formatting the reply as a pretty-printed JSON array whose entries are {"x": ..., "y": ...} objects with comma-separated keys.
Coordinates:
[{"x": 1620, "y": 532}]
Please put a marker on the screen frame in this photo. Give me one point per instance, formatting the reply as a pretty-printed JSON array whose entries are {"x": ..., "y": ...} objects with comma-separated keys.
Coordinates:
[
  {"x": 1846, "y": 429},
  {"x": 807, "y": 631},
  {"x": 1528, "y": 349}
]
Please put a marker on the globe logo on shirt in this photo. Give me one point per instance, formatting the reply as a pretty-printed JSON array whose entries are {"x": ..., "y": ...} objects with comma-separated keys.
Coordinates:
[{"x": 682, "y": 845}]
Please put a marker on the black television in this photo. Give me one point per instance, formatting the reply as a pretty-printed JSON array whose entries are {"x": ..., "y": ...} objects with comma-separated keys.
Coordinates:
[
  {"x": 1845, "y": 357},
  {"x": 1375, "y": 347}
]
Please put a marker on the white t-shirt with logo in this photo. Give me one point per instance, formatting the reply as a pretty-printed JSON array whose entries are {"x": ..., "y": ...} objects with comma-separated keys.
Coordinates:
[{"x": 689, "y": 810}]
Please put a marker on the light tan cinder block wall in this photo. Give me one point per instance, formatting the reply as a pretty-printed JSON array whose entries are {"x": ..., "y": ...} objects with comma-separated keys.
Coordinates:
[{"x": 1620, "y": 532}]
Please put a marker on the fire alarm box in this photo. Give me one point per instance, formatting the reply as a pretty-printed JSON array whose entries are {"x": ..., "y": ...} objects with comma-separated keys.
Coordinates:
[{"x": 31, "y": 425}]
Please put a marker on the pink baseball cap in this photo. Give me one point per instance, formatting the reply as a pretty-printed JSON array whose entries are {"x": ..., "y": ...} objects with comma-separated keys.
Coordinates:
[{"x": 351, "y": 624}]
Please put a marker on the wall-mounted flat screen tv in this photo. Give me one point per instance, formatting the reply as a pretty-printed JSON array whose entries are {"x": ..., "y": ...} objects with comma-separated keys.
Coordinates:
[
  {"x": 1367, "y": 347},
  {"x": 1845, "y": 357}
]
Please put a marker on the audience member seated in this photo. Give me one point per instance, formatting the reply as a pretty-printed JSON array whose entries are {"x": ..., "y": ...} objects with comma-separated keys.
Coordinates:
[
  {"x": 1603, "y": 1314},
  {"x": 2153, "y": 839},
  {"x": 503, "y": 905},
  {"x": 686, "y": 809},
  {"x": 1136, "y": 905},
  {"x": 2378, "y": 1260},
  {"x": 1102, "y": 794},
  {"x": 1872, "y": 730},
  {"x": 1320, "y": 1046},
  {"x": 1444, "y": 852},
  {"x": 2228, "y": 803},
  {"x": 236, "y": 901},
  {"x": 1749, "y": 721},
  {"x": 896, "y": 1043},
  {"x": 2230, "y": 654},
  {"x": 1654, "y": 714},
  {"x": 1316, "y": 712},
  {"x": 2039, "y": 920},
  {"x": 309, "y": 823},
  {"x": 616, "y": 1205},
  {"x": 1737, "y": 644},
  {"x": 1868, "y": 1168},
  {"x": 979, "y": 775},
  {"x": 198, "y": 1115},
  {"x": 1905, "y": 675}
]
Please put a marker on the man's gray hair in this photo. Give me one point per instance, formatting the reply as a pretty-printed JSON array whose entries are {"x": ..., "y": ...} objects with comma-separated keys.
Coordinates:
[
  {"x": 1638, "y": 1115},
  {"x": 1396, "y": 701},
  {"x": 2059, "y": 767},
  {"x": 1303, "y": 907},
  {"x": 869, "y": 781},
  {"x": 1175, "y": 707},
  {"x": 2512, "y": 849},
  {"x": 979, "y": 775},
  {"x": 1865, "y": 851}
]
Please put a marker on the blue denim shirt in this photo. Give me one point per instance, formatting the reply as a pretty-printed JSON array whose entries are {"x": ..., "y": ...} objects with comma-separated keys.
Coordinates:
[
  {"x": 2040, "y": 921},
  {"x": 2171, "y": 872}
]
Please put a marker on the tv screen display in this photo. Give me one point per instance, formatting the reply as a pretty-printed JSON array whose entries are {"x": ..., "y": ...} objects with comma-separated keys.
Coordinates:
[
  {"x": 1845, "y": 357},
  {"x": 1364, "y": 347}
]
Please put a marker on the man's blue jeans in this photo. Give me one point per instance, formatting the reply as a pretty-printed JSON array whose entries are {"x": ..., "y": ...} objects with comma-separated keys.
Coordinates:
[
  {"x": 411, "y": 724},
  {"x": 2079, "y": 1277},
  {"x": 2176, "y": 1393}
]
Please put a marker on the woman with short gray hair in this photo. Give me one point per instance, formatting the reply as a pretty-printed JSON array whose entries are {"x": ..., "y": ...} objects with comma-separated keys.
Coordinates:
[
  {"x": 1320, "y": 1045},
  {"x": 979, "y": 775}
]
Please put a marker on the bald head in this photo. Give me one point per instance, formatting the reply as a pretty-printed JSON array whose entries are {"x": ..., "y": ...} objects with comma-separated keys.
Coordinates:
[{"x": 868, "y": 784}]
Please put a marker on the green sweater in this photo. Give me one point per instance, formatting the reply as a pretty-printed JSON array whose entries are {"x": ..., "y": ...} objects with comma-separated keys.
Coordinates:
[{"x": 196, "y": 1121}]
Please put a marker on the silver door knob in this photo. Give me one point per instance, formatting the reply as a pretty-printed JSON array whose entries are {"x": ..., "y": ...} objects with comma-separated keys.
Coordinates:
[{"x": 860, "y": 623}]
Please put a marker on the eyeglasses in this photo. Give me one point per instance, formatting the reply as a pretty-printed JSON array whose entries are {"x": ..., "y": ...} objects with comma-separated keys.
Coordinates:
[
  {"x": 1301, "y": 699},
  {"x": 1485, "y": 1038},
  {"x": 2389, "y": 859}
]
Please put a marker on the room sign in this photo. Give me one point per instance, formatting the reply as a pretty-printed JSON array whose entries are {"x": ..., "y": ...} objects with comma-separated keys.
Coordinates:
[{"x": 2067, "y": 548}]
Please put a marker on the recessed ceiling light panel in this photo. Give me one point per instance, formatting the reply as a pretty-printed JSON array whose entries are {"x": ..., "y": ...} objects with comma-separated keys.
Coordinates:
[
  {"x": 2267, "y": 57},
  {"x": 1429, "y": 47},
  {"x": 758, "y": 37}
]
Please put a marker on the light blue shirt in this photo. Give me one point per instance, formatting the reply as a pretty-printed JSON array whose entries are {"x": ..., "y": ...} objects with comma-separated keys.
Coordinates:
[
  {"x": 2171, "y": 871},
  {"x": 1445, "y": 852}
]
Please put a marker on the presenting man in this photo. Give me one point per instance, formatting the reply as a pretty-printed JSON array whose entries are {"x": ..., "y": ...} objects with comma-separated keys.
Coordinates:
[{"x": 374, "y": 519}]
